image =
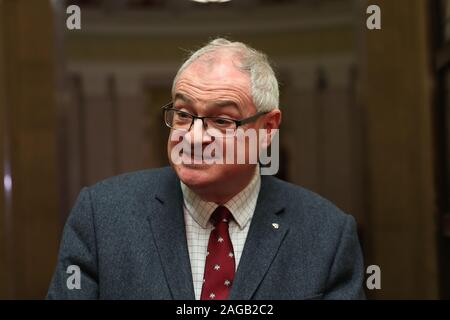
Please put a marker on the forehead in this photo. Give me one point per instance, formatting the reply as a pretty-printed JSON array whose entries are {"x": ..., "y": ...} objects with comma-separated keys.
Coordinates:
[{"x": 219, "y": 71}]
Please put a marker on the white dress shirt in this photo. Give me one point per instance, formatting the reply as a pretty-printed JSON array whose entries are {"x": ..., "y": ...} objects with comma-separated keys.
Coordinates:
[{"x": 198, "y": 227}]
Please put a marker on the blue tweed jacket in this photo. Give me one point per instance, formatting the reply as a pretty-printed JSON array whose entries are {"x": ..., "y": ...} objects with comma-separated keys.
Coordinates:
[{"x": 127, "y": 236}]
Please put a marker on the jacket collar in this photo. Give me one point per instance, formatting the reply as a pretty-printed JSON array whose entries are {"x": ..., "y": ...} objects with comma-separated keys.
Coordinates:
[{"x": 267, "y": 230}]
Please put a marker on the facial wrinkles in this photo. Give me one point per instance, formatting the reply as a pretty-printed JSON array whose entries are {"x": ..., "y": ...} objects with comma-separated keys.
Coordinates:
[
  {"x": 203, "y": 96},
  {"x": 204, "y": 91}
]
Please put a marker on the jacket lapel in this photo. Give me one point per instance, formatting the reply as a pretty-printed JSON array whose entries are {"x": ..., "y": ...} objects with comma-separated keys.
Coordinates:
[
  {"x": 263, "y": 241},
  {"x": 167, "y": 223}
]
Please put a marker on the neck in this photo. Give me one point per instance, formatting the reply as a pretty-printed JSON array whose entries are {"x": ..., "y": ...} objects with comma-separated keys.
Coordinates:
[{"x": 225, "y": 192}]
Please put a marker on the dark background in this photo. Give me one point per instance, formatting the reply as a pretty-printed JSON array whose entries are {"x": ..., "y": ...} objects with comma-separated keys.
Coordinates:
[{"x": 365, "y": 117}]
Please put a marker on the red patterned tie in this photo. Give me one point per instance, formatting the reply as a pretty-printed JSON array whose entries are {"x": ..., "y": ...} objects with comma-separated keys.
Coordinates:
[{"x": 220, "y": 265}]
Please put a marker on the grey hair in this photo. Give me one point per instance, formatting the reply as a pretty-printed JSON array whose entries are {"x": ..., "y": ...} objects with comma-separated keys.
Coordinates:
[{"x": 264, "y": 84}]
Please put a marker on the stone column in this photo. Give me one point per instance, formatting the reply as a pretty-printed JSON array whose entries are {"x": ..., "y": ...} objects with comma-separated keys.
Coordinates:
[
  {"x": 99, "y": 156},
  {"x": 131, "y": 120}
]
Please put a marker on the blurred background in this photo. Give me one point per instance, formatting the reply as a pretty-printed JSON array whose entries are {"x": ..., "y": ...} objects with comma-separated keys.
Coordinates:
[{"x": 366, "y": 117}]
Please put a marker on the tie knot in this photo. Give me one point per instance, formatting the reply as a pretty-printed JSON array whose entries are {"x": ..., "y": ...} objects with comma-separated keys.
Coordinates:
[{"x": 221, "y": 214}]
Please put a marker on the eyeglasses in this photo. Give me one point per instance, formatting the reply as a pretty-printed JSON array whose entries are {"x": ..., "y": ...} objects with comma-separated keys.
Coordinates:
[{"x": 225, "y": 127}]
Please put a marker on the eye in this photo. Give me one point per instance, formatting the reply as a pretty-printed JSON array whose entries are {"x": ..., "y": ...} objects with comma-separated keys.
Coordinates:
[
  {"x": 222, "y": 122},
  {"x": 182, "y": 115}
]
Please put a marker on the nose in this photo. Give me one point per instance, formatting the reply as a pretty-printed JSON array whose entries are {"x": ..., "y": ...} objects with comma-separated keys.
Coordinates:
[{"x": 197, "y": 135}]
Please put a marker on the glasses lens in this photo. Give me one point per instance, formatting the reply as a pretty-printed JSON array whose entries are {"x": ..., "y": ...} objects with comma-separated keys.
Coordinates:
[
  {"x": 221, "y": 126},
  {"x": 178, "y": 119},
  {"x": 181, "y": 120}
]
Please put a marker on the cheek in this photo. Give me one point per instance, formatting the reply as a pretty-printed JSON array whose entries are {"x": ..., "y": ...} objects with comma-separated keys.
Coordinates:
[
  {"x": 173, "y": 144},
  {"x": 175, "y": 137},
  {"x": 243, "y": 148}
]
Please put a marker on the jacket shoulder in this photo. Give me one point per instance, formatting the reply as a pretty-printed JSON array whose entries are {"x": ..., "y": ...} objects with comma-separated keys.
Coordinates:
[
  {"x": 132, "y": 184},
  {"x": 311, "y": 205}
]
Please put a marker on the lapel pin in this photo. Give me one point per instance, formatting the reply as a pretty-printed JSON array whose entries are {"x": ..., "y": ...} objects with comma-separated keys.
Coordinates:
[{"x": 275, "y": 225}]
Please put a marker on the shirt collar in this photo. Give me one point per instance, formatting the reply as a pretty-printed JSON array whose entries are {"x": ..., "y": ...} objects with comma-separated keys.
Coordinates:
[{"x": 241, "y": 206}]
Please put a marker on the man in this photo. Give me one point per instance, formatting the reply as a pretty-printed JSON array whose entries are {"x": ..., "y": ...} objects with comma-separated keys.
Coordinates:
[{"x": 209, "y": 229}]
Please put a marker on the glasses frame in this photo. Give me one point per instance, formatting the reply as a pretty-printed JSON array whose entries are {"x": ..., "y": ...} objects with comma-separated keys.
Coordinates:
[{"x": 238, "y": 123}]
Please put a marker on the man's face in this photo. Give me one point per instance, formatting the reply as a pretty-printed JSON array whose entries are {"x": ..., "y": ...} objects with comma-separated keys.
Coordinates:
[{"x": 216, "y": 89}]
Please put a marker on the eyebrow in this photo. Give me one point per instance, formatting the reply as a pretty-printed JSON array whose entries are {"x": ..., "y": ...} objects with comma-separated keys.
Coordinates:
[
  {"x": 219, "y": 103},
  {"x": 224, "y": 103}
]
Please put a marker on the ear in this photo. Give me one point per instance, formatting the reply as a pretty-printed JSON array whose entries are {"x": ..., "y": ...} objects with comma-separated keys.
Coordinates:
[{"x": 271, "y": 124}]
